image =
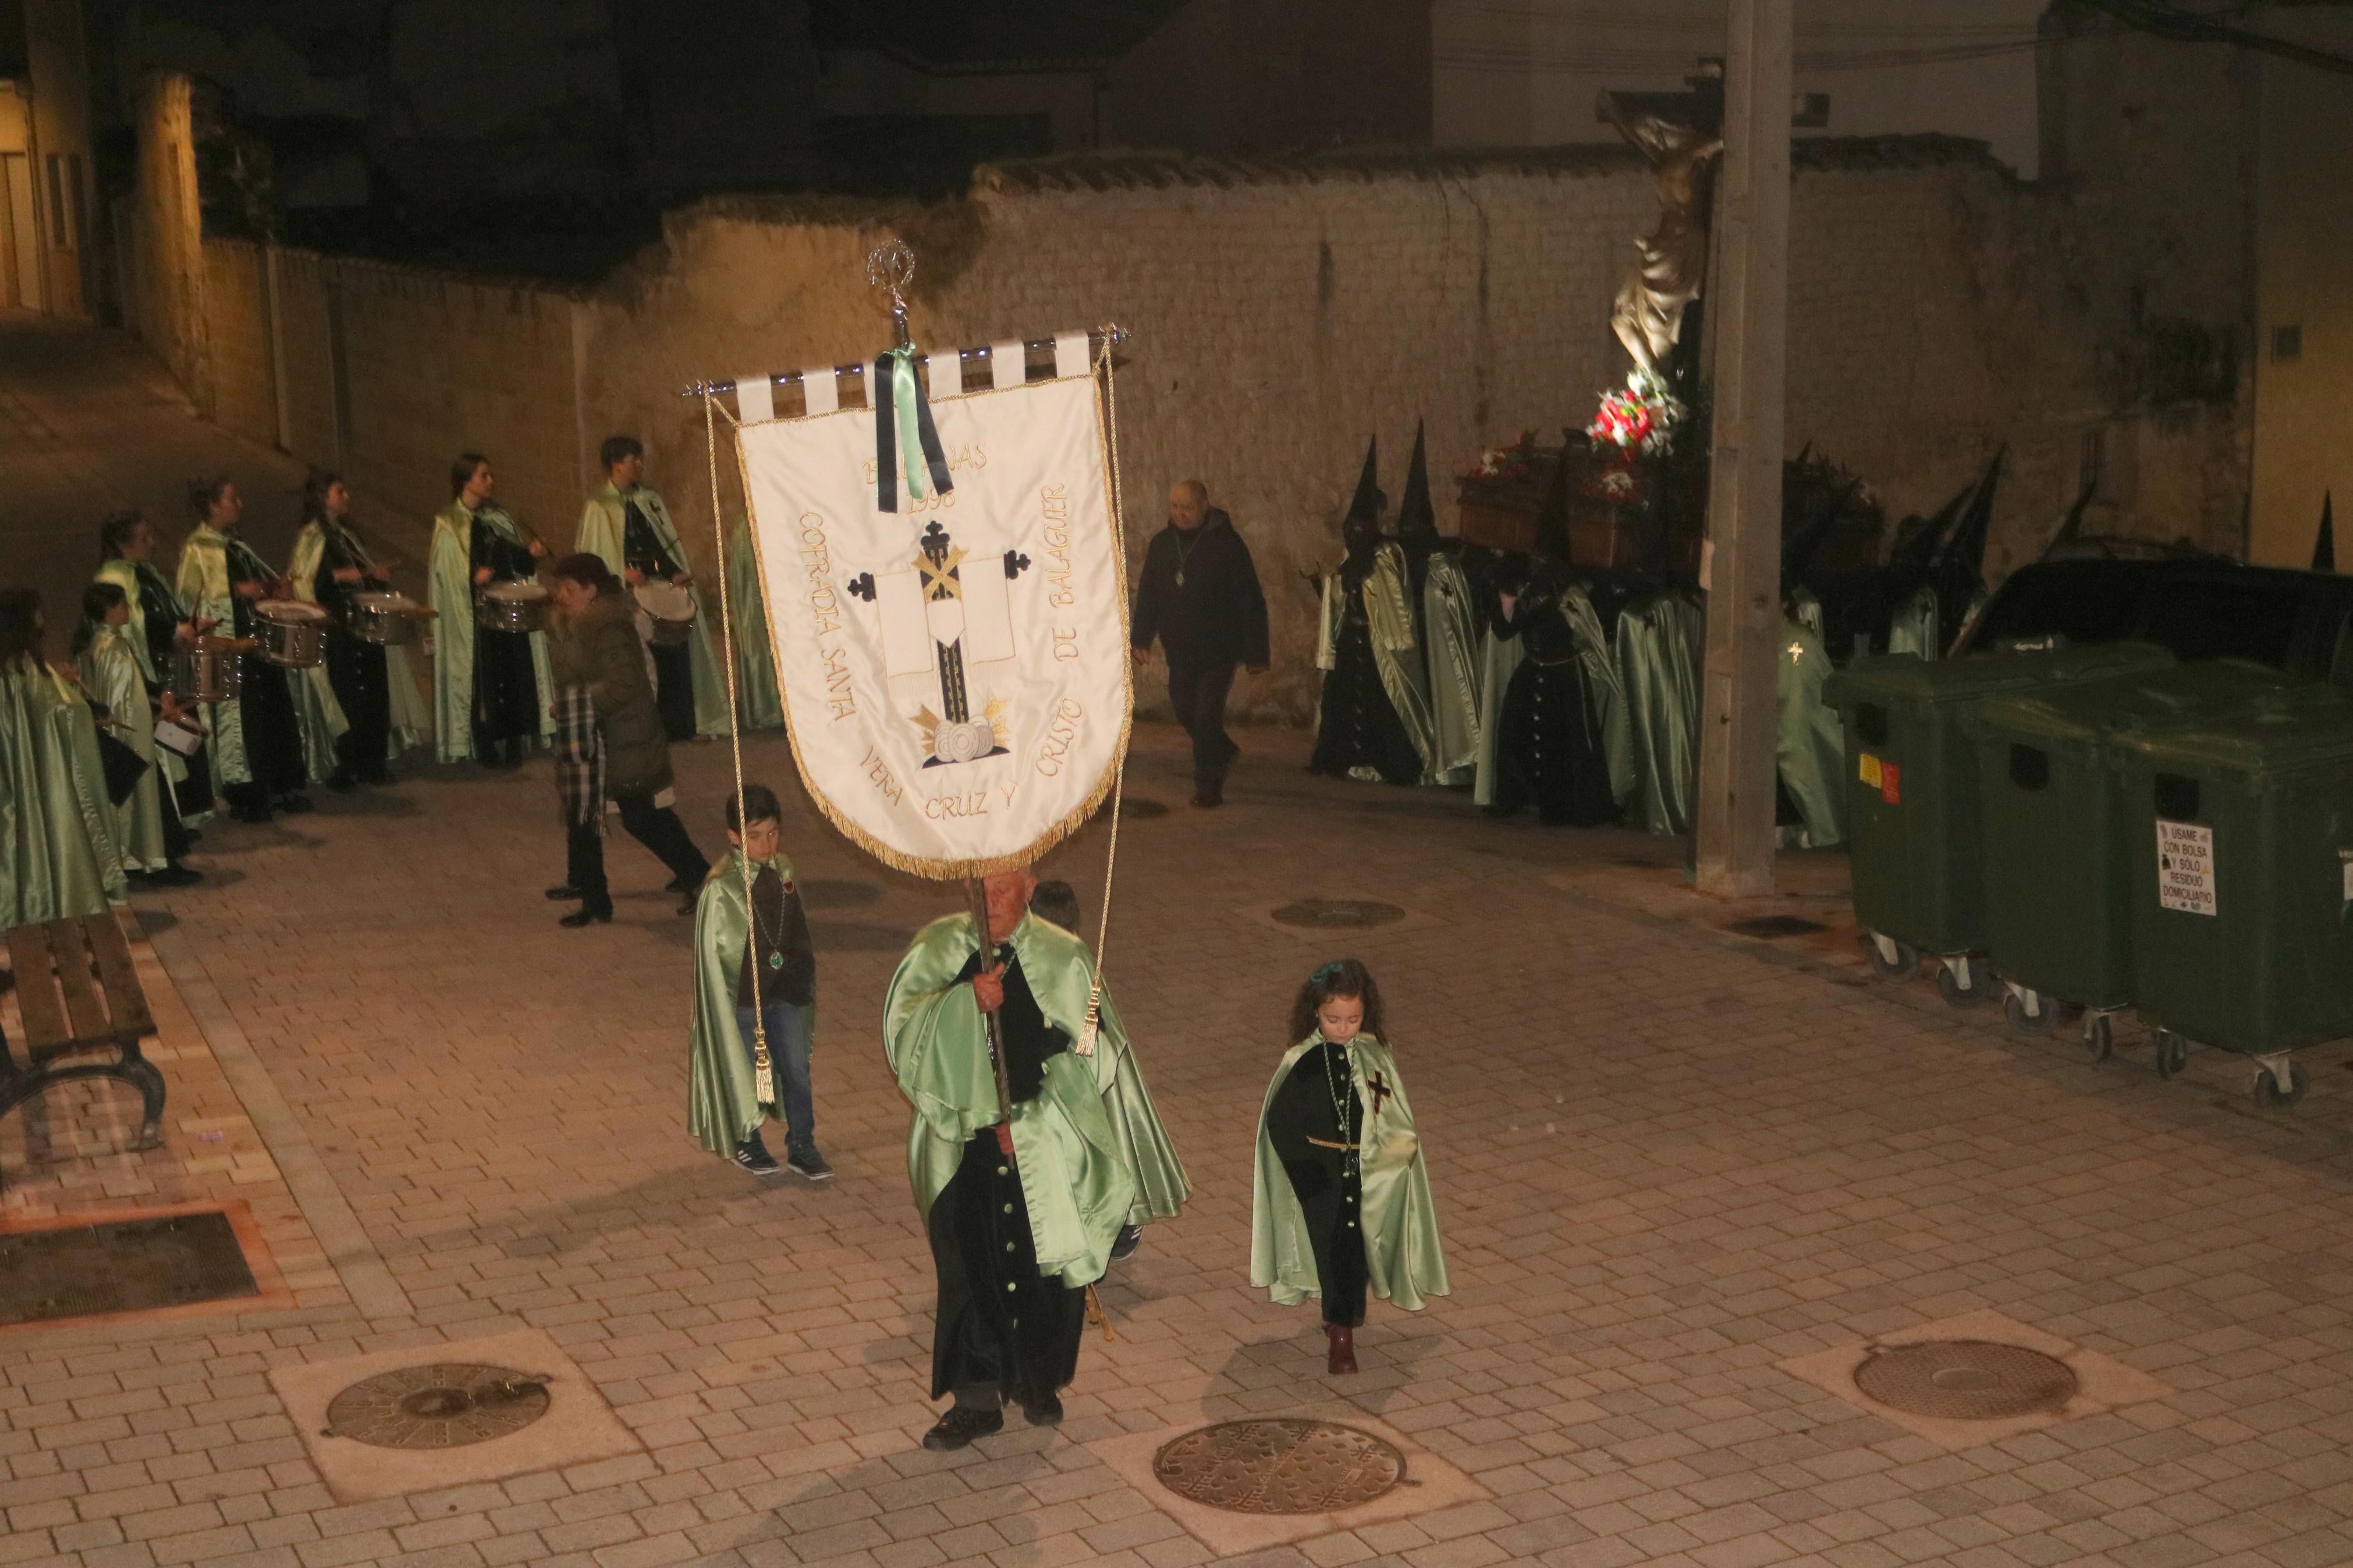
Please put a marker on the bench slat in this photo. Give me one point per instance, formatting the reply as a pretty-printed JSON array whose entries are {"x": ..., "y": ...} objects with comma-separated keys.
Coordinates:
[
  {"x": 83, "y": 1009},
  {"x": 37, "y": 988},
  {"x": 126, "y": 999}
]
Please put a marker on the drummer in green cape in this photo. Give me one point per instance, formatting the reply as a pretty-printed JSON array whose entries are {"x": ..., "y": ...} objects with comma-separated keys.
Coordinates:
[
  {"x": 258, "y": 736},
  {"x": 490, "y": 689},
  {"x": 1014, "y": 1241},
  {"x": 1161, "y": 1187},
  {"x": 159, "y": 631},
  {"x": 372, "y": 683},
  {"x": 628, "y": 524},
  {"x": 1342, "y": 1204},
  {"x": 110, "y": 680},
  {"x": 732, "y": 975},
  {"x": 59, "y": 859}
]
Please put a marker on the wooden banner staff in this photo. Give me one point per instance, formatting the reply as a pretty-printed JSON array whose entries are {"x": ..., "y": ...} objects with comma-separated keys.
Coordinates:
[
  {"x": 1099, "y": 338},
  {"x": 976, "y": 893}
]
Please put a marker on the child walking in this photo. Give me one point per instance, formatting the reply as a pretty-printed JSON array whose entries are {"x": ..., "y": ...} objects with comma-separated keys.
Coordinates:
[{"x": 1342, "y": 1202}]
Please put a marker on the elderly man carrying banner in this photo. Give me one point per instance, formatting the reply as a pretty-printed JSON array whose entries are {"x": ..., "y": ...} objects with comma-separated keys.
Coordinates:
[{"x": 1014, "y": 1242}]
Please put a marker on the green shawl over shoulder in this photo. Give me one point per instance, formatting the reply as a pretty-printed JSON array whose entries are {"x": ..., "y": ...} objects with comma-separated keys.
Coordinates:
[
  {"x": 603, "y": 525},
  {"x": 449, "y": 578},
  {"x": 722, "y": 1103},
  {"x": 57, "y": 855},
  {"x": 1404, "y": 1262},
  {"x": 412, "y": 721},
  {"x": 110, "y": 674},
  {"x": 758, "y": 699},
  {"x": 1811, "y": 742},
  {"x": 1161, "y": 1184},
  {"x": 1454, "y": 669},
  {"x": 1073, "y": 1176},
  {"x": 1661, "y": 642}
]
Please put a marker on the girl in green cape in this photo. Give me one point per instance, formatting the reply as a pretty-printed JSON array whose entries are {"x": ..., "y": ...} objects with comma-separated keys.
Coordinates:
[{"x": 1342, "y": 1204}]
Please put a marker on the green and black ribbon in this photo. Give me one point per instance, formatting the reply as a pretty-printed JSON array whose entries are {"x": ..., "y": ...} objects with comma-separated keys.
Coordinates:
[{"x": 905, "y": 426}]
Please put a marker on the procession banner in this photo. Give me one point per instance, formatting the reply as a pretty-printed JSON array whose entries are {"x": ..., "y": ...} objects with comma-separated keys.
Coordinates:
[{"x": 954, "y": 674}]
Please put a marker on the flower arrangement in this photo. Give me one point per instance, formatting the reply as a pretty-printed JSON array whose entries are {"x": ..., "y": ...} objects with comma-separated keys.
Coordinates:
[
  {"x": 1504, "y": 464},
  {"x": 1641, "y": 418}
]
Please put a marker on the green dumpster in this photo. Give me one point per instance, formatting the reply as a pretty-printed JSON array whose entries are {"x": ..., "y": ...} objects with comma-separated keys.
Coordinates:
[
  {"x": 2057, "y": 861},
  {"x": 1911, "y": 789},
  {"x": 2242, "y": 884}
]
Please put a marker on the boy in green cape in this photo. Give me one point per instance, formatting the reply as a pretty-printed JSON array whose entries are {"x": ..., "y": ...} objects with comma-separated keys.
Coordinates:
[{"x": 725, "y": 1102}]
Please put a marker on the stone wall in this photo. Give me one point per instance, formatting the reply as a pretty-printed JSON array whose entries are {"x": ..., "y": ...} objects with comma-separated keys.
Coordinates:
[{"x": 1281, "y": 312}]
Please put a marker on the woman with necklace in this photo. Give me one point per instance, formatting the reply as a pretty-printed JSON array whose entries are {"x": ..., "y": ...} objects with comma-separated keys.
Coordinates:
[{"x": 1341, "y": 1205}]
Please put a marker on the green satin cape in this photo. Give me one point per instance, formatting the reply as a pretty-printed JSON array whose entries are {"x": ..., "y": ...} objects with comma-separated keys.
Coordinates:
[
  {"x": 1404, "y": 1262},
  {"x": 1659, "y": 645},
  {"x": 602, "y": 525},
  {"x": 57, "y": 855},
  {"x": 1602, "y": 682},
  {"x": 1395, "y": 654},
  {"x": 110, "y": 674},
  {"x": 1073, "y": 1175},
  {"x": 1454, "y": 669},
  {"x": 412, "y": 721},
  {"x": 1161, "y": 1184},
  {"x": 1498, "y": 659},
  {"x": 758, "y": 699},
  {"x": 722, "y": 1103},
  {"x": 317, "y": 717},
  {"x": 124, "y": 574},
  {"x": 1811, "y": 743},
  {"x": 449, "y": 580},
  {"x": 203, "y": 588}
]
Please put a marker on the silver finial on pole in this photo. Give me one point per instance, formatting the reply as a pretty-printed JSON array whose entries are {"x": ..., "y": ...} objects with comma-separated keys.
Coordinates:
[{"x": 891, "y": 266}]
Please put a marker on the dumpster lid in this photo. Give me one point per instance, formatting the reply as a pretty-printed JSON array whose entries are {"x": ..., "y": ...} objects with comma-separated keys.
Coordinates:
[
  {"x": 2314, "y": 732},
  {"x": 2164, "y": 699},
  {"x": 1904, "y": 679}
]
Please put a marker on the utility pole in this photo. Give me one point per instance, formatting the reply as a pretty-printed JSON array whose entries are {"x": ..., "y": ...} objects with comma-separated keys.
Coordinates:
[{"x": 1735, "y": 830}]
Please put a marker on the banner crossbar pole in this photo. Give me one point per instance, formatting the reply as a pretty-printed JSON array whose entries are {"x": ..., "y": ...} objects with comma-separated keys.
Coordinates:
[{"x": 1098, "y": 340}]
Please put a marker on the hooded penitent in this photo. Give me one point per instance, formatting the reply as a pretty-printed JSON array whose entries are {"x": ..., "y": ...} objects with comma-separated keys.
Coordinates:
[
  {"x": 1449, "y": 629},
  {"x": 2324, "y": 548},
  {"x": 1375, "y": 717}
]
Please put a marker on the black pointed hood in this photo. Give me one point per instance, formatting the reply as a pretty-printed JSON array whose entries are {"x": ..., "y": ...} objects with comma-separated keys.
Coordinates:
[
  {"x": 1417, "y": 526},
  {"x": 2324, "y": 548},
  {"x": 1956, "y": 571},
  {"x": 2072, "y": 528},
  {"x": 1363, "y": 515}
]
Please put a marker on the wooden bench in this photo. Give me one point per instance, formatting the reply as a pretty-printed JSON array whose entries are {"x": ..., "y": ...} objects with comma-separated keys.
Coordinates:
[{"x": 77, "y": 993}]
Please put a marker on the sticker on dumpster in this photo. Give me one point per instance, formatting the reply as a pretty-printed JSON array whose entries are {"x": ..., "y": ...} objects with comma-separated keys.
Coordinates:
[
  {"x": 1869, "y": 770},
  {"x": 2184, "y": 866},
  {"x": 1891, "y": 783}
]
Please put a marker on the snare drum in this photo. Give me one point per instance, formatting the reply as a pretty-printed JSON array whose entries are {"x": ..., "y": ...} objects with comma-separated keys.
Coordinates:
[
  {"x": 669, "y": 610},
  {"x": 210, "y": 671},
  {"x": 386, "y": 619},
  {"x": 292, "y": 633},
  {"x": 512, "y": 608}
]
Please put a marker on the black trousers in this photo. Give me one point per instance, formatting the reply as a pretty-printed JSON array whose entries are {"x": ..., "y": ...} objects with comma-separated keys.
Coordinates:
[
  {"x": 1002, "y": 1329},
  {"x": 1333, "y": 1214},
  {"x": 273, "y": 736},
  {"x": 1198, "y": 693},
  {"x": 674, "y": 690},
  {"x": 355, "y": 669},
  {"x": 655, "y": 827},
  {"x": 507, "y": 709}
]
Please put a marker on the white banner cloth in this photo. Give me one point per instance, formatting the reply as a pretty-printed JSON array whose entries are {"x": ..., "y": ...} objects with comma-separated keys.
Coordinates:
[{"x": 956, "y": 676}]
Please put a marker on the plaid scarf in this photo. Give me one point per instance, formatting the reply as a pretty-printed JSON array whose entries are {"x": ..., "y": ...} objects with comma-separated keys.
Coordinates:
[{"x": 579, "y": 758}]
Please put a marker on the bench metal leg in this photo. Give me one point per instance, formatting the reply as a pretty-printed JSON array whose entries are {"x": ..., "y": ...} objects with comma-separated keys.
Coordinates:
[{"x": 136, "y": 1072}]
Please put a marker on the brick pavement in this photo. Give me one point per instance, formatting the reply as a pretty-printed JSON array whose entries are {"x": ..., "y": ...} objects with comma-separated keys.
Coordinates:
[{"x": 1666, "y": 1162}]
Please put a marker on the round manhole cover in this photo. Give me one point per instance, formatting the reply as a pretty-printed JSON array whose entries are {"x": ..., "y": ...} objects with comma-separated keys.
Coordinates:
[
  {"x": 1966, "y": 1380},
  {"x": 448, "y": 1404},
  {"x": 1279, "y": 1466},
  {"x": 1338, "y": 914}
]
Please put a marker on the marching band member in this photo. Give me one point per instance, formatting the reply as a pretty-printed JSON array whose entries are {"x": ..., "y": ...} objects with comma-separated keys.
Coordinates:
[
  {"x": 627, "y": 525},
  {"x": 490, "y": 689},
  {"x": 257, "y": 747}
]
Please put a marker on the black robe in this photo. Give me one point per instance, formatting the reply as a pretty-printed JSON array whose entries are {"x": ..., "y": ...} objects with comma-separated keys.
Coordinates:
[
  {"x": 643, "y": 553},
  {"x": 273, "y": 736},
  {"x": 159, "y": 609},
  {"x": 356, "y": 667},
  {"x": 1358, "y": 727},
  {"x": 506, "y": 682},
  {"x": 1549, "y": 746},
  {"x": 1329, "y": 1181},
  {"x": 1002, "y": 1327}
]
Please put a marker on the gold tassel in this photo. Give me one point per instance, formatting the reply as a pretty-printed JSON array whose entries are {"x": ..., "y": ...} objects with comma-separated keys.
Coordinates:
[{"x": 1098, "y": 1316}]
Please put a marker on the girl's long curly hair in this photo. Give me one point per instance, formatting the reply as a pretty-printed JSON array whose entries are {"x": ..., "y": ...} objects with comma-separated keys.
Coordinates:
[{"x": 1345, "y": 977}]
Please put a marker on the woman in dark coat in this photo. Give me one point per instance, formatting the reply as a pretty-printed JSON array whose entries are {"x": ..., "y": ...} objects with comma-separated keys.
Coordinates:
[{"x": 593, "y": 648}]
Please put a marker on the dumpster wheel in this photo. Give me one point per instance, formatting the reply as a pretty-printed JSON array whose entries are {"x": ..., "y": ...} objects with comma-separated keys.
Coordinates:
[
  {"x": 2099, "y": 1036},
  {"x": 2030, "y": 1012},
  {"x": 2270, "y": 1073},
  {"x": 1889, "y": 958},
  {"x": 1962, "y": 981},
  {"x": 2172, "y": 1052}
]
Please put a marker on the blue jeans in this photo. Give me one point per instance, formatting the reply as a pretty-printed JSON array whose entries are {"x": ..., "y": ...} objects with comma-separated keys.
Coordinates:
[{"x": 788, "y": 1054}]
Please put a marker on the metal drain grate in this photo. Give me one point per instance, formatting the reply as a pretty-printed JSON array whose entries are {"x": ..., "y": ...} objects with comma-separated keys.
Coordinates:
[
  {"x": 1772, "y": 927},
  {"x": 125, "y": 1265},
  {"x": 1339, "y": 914},
  {"x": 447, "y": 1405},
  {"x": 1282, "y": 1466},
  {"x": 1966, "y": 1380}
]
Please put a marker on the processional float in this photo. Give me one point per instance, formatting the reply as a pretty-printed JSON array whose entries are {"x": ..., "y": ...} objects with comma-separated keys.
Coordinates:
[{"x": 939, "y": 548}]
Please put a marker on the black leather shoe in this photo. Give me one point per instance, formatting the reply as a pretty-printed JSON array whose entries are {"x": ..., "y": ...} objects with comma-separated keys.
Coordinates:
[
  {"x": 1046, "y": 1412},
  {"x": 579, "y": 918},
  {"x": 563, "y": 895},
  {"x": 687, "y": 908},
  {"x": 960, "y": 1425},
  {"x": 1124, "y": 1244}
]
